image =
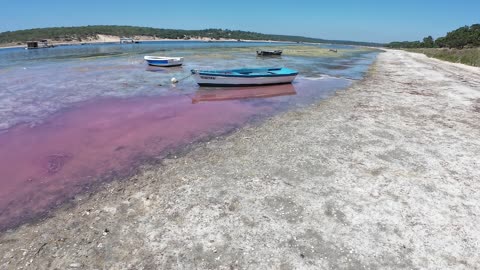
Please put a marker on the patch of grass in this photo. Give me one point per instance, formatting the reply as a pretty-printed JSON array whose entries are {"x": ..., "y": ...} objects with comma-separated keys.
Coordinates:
[{"x": 465, "y": 56}]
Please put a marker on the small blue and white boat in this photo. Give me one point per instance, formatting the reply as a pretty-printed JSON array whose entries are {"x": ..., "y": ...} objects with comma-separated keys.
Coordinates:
[
  {"x": 161, "y": 61},
  {"x": 244, "y": 76}
]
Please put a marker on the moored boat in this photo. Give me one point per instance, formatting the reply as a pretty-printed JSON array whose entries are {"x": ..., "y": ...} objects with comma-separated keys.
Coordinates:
[
  {"x": 244, "y": 76},
  {"x": 161, "y": 61},
  {"x": 269, "y": 53}
]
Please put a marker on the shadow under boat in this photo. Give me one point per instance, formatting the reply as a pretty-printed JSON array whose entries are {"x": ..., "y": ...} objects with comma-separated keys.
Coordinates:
[
  {"x": 162, "y": 69},
  {"x": 237, "y": 93}
]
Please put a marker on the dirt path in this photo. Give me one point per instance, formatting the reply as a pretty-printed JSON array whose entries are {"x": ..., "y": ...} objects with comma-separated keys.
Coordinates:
[{"x": 384, "y": 175}]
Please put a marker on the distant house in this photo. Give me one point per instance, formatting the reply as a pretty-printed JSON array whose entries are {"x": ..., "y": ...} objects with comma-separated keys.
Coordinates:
[
  {"x": 38, "y": 44},
  {"x": 32, "y": 44}
]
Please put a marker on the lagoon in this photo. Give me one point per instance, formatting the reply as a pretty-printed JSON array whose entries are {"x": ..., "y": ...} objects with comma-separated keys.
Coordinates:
[{"x": 73, "y": 117}]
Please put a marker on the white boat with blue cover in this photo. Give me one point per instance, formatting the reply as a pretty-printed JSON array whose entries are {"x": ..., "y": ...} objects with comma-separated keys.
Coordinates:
[
  {"x": 244, "y": 76},
  {"x": 161, "y": 61}
]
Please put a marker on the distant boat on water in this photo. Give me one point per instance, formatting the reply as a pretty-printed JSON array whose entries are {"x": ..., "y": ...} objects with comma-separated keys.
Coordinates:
[
  {"x": 161, "y": 61},
  {"x": 126, "y": 40},
  {"x": 270, "y": 53},
  {"x": 244, "y": 76}
]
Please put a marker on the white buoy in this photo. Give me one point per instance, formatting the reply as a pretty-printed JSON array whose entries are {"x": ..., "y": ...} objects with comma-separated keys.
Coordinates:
[{"x": 174, "y": 80}]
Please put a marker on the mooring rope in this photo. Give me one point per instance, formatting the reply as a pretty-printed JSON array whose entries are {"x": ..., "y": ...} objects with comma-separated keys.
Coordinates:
[{"x": 174, "y": 80}]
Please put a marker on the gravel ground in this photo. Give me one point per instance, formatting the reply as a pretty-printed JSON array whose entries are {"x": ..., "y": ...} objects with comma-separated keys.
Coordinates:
[{"x": 384, "y": 175}]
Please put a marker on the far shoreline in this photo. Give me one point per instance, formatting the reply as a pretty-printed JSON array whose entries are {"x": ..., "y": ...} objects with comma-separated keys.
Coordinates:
[{"x": 116, "y": 40}]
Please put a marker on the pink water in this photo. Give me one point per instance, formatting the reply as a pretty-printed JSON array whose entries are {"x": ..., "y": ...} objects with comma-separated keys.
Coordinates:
[{"x": 45, "y": 165}]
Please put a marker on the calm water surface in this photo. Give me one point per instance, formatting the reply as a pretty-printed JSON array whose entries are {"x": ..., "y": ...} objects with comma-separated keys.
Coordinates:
[{"x": 73, "y": 116}]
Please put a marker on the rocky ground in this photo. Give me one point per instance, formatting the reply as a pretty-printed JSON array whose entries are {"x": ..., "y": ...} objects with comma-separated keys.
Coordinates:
[{"x": 384, "y": 175}]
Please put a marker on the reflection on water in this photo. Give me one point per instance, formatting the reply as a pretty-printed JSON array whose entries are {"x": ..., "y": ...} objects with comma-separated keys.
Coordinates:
[
  {"x": 236, "y": 93},
  {"x": 72, "y": 118}
]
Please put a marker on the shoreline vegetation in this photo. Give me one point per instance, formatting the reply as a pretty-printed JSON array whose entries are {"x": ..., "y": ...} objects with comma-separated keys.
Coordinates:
[
  {"x": 112, "y": 33},
  {"x": 459, "y": 46},
  {"x": 469, "y": 57}
]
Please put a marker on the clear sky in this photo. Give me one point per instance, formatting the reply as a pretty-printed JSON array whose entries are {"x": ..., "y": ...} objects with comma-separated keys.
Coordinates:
[{"x": 359, "y": 20}]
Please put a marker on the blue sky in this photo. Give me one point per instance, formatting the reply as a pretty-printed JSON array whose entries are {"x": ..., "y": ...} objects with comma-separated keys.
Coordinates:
[{"x": 360, "y": 20}]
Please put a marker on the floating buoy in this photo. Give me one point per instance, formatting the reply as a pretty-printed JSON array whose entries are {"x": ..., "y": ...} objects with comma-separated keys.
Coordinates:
[{"x": 174, "y": 80}]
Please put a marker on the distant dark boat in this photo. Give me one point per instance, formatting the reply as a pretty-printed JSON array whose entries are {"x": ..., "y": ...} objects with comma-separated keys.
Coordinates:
[{"x": 269, "y": 53}]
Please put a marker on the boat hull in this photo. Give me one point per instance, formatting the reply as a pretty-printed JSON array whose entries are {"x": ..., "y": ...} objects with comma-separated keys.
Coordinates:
[{"x": 164, "y": 61}]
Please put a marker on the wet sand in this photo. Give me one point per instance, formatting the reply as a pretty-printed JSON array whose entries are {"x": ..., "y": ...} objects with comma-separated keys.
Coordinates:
[{"x": 383, "y": 175}]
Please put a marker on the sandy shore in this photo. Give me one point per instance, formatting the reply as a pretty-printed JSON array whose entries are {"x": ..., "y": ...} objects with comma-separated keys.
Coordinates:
[{"x": 384, "y": 175}]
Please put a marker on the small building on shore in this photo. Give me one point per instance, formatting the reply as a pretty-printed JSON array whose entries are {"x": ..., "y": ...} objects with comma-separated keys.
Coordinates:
[
  {"x": 38, "y": 44},
  {"x": 32, "y": 44}
]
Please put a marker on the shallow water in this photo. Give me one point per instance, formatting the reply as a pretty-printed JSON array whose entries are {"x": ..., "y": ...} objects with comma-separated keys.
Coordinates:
[{"x": 73, "y": 117}]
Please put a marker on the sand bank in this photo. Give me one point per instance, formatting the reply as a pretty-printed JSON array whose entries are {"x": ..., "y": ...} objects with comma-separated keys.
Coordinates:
[{"x": 383, "y": 175}]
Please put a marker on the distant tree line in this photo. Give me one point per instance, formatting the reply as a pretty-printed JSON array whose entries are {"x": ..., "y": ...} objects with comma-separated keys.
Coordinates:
[
  {"x": 88, "y": 32},
  {"x": 463, "y": 37}
]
